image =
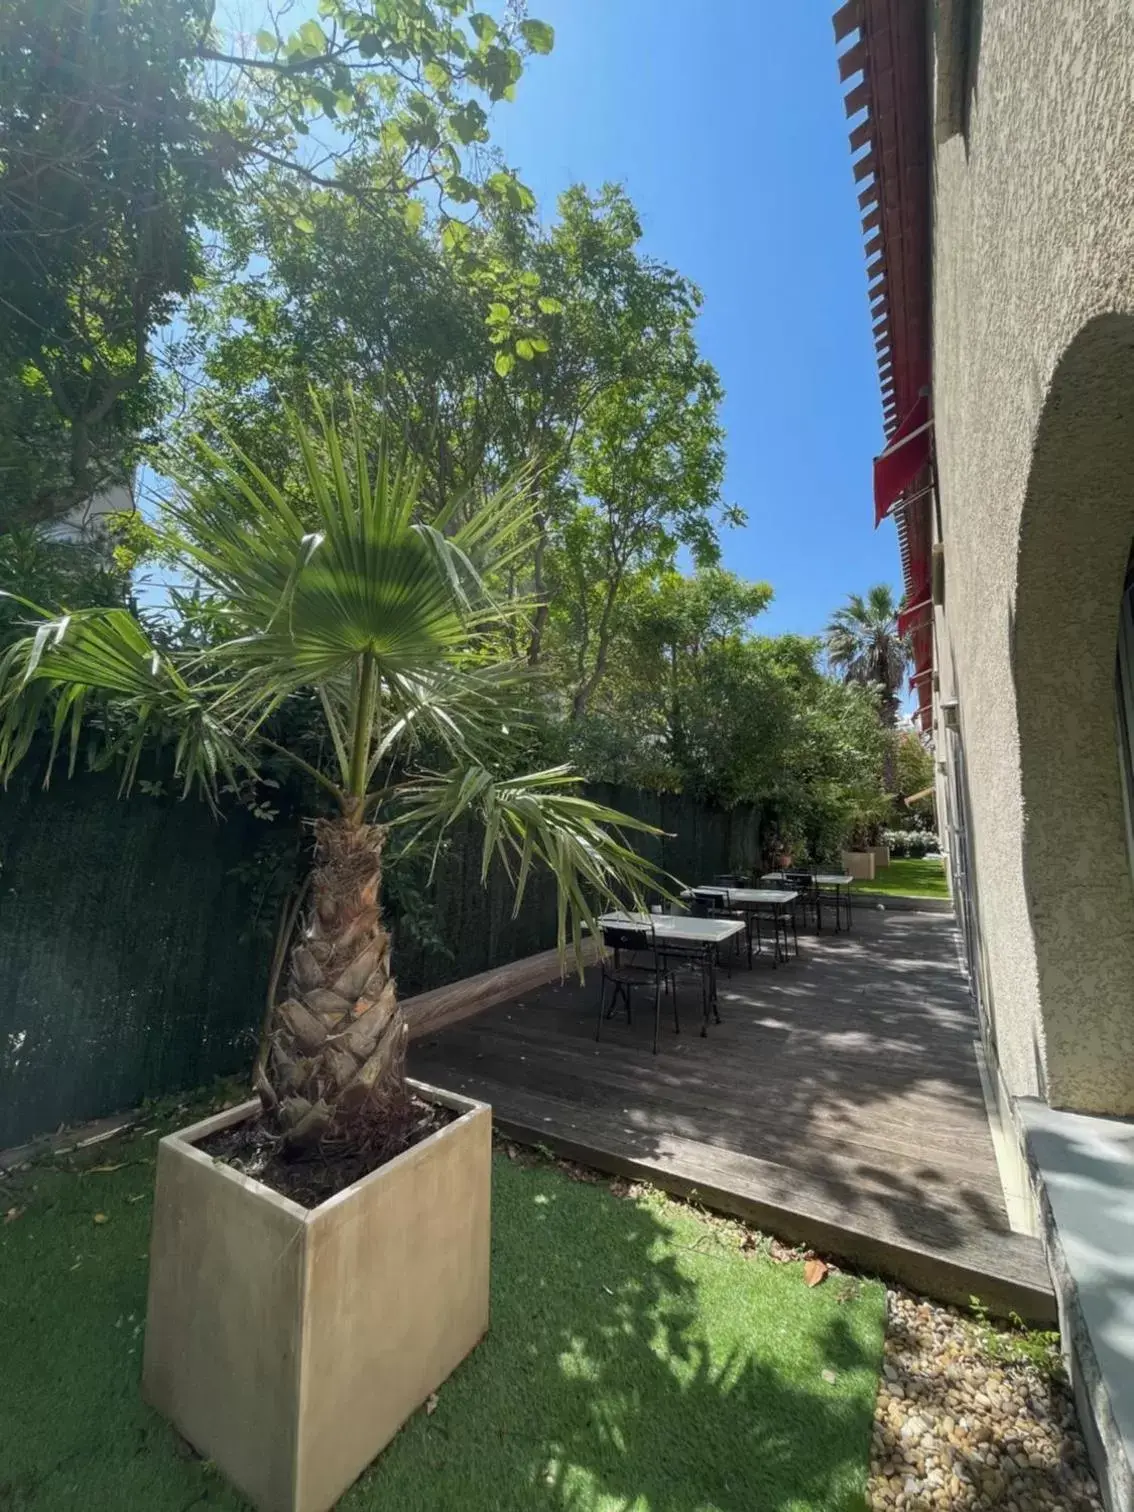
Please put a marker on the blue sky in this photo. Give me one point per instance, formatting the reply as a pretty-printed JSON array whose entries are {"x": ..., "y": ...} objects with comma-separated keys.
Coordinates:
[{"x": 725, "y": 123}]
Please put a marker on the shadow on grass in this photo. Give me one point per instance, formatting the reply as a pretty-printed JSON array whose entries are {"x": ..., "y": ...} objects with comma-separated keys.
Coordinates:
[{"x": 637, "y": 1360}]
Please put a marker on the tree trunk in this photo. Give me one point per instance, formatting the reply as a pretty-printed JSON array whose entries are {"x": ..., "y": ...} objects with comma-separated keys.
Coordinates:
[{"x": 338, "y": 1041}]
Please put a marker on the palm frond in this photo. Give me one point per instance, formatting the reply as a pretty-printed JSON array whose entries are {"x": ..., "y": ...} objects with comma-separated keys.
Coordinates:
[
  {"x": 541, "y": 819},
  {"x": 52, "y": 672},
  {"x": 350, "y": 570}
]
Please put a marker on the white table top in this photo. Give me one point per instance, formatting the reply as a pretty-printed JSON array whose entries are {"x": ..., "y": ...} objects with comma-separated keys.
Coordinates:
[
  {"x": 746, "y": 896},
  {"x": 825, "y": 879},
  {"x": 679, "y": 926}
]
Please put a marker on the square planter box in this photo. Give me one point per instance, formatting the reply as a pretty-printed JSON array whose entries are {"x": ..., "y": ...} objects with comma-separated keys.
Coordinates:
[
  {"x": 290, "y": 1344},
  {"x": 881, "y": 854},
  {"x": 859, "y": 864}
]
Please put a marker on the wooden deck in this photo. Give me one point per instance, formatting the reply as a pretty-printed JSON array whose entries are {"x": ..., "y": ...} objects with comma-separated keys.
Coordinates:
[{"x": 838, "y": 1104}]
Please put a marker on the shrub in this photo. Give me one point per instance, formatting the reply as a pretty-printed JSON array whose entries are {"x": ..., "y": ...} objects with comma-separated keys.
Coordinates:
[{"x": 910, "y": 845}]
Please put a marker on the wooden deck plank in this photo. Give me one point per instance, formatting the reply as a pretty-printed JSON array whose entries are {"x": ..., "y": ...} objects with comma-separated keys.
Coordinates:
[
  {"x": 838, "y": 1103},
  {"x": 581, "y": 1079}
]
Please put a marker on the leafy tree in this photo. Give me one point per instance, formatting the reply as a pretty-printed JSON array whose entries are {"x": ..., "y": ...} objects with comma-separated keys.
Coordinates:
[
  {"x": 384, "y": 614},
  {"x": 650, "y": 472},
  {"x": 697, "y": 702},
  {"x": 863, "y": 645},
  {"x": 126, "y": 129},
  {"x": 101, "y": 183},
  {"x": 606, "y": 359},
  {"x": 914, "y": 773}
]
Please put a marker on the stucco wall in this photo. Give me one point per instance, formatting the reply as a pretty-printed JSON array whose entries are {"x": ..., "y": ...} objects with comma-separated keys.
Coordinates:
[{"x": 1033, "y": 243}]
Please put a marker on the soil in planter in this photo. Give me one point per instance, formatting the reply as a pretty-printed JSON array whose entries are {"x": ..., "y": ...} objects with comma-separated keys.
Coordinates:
[{"x": 311, "y": 1176}]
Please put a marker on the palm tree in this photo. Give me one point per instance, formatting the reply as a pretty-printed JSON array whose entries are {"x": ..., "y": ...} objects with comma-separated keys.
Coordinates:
[
  {"x": 341, "y": 590},
  {"x": 864, "y": 645}
]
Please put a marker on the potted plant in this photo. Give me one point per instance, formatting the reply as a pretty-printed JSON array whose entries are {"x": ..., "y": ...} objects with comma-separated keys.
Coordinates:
[
  {"x": 860, "y": 854},
  {"x": 289, "y": 1335}
]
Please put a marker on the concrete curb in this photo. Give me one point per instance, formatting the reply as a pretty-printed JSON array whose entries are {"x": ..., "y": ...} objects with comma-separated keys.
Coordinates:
[{"x": 902, "y": 903}]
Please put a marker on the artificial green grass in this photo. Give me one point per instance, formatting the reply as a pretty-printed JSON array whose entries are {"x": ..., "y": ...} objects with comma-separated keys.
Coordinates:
[
  {"x": 910, "y": 879},
  {"x": 639, "y": 1360}
]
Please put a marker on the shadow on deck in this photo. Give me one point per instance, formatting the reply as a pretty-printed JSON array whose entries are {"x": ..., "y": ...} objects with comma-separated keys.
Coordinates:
[{"x": 838, "y": 1104}]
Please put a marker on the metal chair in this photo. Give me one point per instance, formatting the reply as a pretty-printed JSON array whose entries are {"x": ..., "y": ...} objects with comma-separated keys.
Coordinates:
[
  {"x": 634, "y": 940},
  {"x": 776, "y": 919},
  {"x": 803, "y": 882},
  {"x": 715, "y": 903}
]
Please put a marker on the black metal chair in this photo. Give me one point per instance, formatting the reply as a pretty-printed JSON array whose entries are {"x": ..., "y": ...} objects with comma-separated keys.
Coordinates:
[
  {"x": 715, "y": 903},
  {"x": 803, "y": 882},
  {"x": 699, "y": 958},
  {"x": 769, "y": 918},
  {"x": 633, "y": 940}
]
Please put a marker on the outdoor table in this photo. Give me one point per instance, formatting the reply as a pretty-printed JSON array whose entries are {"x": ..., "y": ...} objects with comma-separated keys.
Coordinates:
[
  {"x": 838, "y": 883},
  {"x": 749, "y": 901},
  {"x": 685, "y": 933}
]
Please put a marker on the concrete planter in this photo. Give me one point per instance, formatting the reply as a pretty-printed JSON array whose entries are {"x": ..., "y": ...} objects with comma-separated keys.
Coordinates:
[
  {"x": 881, "y": 854},
  {"x": 289, "y": 1344},
  {"x": 859, "y": 864}
]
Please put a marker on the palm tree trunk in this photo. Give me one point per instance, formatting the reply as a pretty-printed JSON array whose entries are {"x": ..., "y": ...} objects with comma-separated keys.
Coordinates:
[{"x": 338, "y": 1041}]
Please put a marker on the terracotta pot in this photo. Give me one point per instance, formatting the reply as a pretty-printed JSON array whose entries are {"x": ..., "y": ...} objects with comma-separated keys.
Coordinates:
[{"x": 289, "y": 1344}]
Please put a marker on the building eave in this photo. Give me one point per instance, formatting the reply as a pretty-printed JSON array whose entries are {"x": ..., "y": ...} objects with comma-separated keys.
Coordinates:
[{"x": 884, "y": 62}]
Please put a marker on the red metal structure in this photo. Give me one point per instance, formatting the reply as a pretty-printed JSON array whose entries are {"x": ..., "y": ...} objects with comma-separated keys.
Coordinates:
[{"x": 883, "y": 58}]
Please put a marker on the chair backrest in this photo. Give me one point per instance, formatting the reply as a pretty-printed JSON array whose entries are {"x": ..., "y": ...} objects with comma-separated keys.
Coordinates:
[
  {"x": 628, "y": 936},
  {"x": 727, "y": 879},
  {"x": 709, "y": 901},
  {"x": 799, "y": 881}
]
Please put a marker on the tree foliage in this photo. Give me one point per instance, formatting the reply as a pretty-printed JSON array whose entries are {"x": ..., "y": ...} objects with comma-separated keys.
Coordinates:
[{"x": 131, "y": 130}]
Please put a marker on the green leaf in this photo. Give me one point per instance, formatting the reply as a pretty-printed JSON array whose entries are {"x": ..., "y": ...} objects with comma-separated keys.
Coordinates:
[
  {"x": 498, "y": 314},
  {"x": 540, "y": 344},
  {"x": 484, "y": 26},
  {"x": 303, "y": 223},
  {"x": 504, "y": 363},
  {"x": 538, "y": 35},
  {"x": 414, "y": 212},
  {"x": 454, "y": 235},
  {"x": 266, "y": 41},
  {"x": 461, "y": 189},
  {"x": 525, "y": 349},
  {"x": 469, "y": 122},
  {"x": 311, "y": 35},
  {"x": 550, "y": 306},
  {"x": 529, "y": 280}
]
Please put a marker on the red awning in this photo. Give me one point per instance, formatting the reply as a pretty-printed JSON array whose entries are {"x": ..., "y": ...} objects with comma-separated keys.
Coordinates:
[
  {"x": 908, "y": 618},
  {"x": 902, "y": 460}
]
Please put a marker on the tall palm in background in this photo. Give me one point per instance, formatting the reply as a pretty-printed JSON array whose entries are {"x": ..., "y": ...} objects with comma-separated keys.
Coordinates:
[
  {"x": 863, "y": 645},
  {"x": 339, "y": 588}
]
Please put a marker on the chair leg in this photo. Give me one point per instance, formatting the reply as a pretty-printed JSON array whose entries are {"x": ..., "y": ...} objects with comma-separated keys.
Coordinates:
[
  {"x": 601, "y": 1006},
  {"x": 657, "y": 1011}
]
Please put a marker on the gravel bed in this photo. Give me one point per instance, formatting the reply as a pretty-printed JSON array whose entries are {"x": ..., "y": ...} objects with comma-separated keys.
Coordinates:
[{"x": 962, "y": 1421}]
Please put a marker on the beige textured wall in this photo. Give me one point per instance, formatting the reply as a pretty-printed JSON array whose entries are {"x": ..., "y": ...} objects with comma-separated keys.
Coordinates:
[{"x": 1034, "y": 395}]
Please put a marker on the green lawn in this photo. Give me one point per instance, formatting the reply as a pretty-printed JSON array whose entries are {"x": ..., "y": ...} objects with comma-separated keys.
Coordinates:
[
  {"x": 912, "y": 879},
  {"x": 639, "y": 1360}
]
